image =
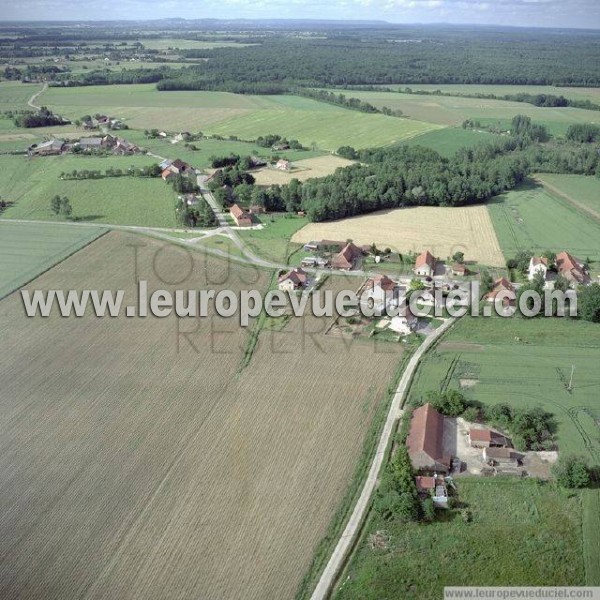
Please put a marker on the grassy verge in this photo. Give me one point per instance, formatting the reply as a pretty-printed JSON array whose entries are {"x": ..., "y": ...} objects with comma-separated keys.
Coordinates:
[{"x": 591, "y": 536}]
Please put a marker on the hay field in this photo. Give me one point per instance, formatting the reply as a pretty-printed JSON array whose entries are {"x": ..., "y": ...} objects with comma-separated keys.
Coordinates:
[
  {"x": 301, "y": 170},
  {"x": 442, "y": 230},
  {"x": 136, "y": 464}
]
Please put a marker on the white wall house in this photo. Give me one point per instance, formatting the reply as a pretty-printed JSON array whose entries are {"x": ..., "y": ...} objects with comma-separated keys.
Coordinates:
[{"x": 537, "y": 264}]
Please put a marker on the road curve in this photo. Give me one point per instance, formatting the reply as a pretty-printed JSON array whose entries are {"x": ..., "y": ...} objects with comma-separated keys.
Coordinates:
[{"x": 348, "y": 537}]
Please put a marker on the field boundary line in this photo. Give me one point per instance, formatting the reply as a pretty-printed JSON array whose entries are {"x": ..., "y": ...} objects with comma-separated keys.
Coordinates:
[
  {"x": 353, "y": 527},
  {"x": 562, "y": 195}
]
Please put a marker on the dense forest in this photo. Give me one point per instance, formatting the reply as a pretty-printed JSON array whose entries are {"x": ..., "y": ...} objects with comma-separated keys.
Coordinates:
[
  {"x": 402, "y": 175},
  {"x": 328, "y": 55}
]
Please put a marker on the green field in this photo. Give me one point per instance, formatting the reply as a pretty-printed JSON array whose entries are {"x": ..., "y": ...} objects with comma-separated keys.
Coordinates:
[
  {"x": 453, "y": 110},
  {"x": 575, "y": 93},
  {"x": 180, "y": 44},
  {"x": 521, "y": 533},
  {"x": 29, "y": 184},
  {"x": 28, "y": 249},
  {"x": 450, "y": 139},
  {"x": 245, "y": 116},
  {"x": 577, "y": 188},
  {"x": 524, "y": 373},
  {"x": 273, "y": 242},
  {"x": 531, "y": 218},
  {"x": 210, "y": 147}
]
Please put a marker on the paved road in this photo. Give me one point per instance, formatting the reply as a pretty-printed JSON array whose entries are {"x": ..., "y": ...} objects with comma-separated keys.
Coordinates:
[
  {"x": 31, "y": 101},
  {"x": 346, "y": 541}
]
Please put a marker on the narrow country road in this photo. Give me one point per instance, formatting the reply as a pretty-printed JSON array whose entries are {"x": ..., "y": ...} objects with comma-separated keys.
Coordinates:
[
  {"x": 348, "y": 537},
  {"x": 31, "y": 101}
]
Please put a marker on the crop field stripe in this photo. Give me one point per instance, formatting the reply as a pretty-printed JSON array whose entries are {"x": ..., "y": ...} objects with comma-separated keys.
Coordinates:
[
  {"x": 591, "y": 536},
  {"x": 33, "y": 245}
]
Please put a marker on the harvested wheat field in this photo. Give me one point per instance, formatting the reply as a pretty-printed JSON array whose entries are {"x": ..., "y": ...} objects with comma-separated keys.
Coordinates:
[
  {"x": 442, "y": 230},
  {"x": 302, "y": 170},
  {"x": 139, "y": 463}
]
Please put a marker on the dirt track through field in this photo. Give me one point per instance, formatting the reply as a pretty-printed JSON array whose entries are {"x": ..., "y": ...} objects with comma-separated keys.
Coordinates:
[{"x": 578, "y": 205}]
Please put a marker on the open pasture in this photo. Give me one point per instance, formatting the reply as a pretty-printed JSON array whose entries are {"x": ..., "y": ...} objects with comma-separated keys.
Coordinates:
[
  {"x": 442, "y": 230},
  {"x": 28, "y": 249},
  {"x": 453, "y": 110},
  {"x": 448, "y": 140},
  {"x": 136, "y": 463},
  {"x": 532, "y": 218},
  {"x": 28, "y": 185},
  {"x": 572, "y": 93},
  {"x": 244, "y": 116}
]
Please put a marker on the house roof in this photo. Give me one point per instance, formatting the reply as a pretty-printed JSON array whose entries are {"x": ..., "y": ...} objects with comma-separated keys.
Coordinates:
[
  {"x": 345, "y": 259},
  {"x": 95, "y": 141},
  {"x": 485, "y": 435},
  {"x": 536, "y": 261},
  {"x": 500, "y": 453},
  {"x": 459, "y": 267},
  {"x": 382, "y": 281},
  {"x": 425, "y": 258},
  {"x": 500, "y": 285},
  {"x": 54, "y": 144},
  {"x": 571, "y": 268},
  {"x": 298, "y": 276},
  {"x": 425, "y": 439},
  {"x": 239, "y": 213}
]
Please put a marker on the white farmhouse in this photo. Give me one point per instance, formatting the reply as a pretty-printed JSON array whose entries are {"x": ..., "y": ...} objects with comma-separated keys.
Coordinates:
[{"x": 537, "y": 264}]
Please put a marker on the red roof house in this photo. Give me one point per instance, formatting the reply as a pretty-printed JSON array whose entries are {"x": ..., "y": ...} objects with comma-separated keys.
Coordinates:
[
  {"x": 347, "y": 258},
  {"x": 571, "y": 269},
  {"x": 425, "y": 440},
  {"x": 240, "y": 216},
  {"x": 425, "y": 264}
]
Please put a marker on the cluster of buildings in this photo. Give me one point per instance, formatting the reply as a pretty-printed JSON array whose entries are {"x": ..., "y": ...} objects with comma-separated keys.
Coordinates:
[
  {"x": 430, "y": 442},
  {"x": 103, "y": 122},
  {"x": 172, "y": 168},
  {"x": 565, "y": 264},
  {"x": 106, "y": 143},
  {"x": 343, "y": 256}
]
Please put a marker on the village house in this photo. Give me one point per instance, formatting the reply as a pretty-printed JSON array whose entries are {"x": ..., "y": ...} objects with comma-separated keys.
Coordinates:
[
  {"x": 537, "y": 264},
  {"x": 292, "y": 280},
  {"x": 280, "y": 146},
  {"x": 425, "y": 264},
  {"x": 124, "y": 147},
  {"x": 257, "y": 161},
  {"x": 572, "y": 269},
  {"x": 487, "y": 438},
  {"x": 348, "y": 257},
  {"x": 47, "y": 148},
  {"x": 241, "y": 217},
  {"x": 459, "y": 270},
  {"x": 381, "y": 290},
  {"x": 283, "y": 165},
  {"x": 501, "y": 286},
  {"x": 425, "y": 441},
  {"x": 178, "y": 167}
]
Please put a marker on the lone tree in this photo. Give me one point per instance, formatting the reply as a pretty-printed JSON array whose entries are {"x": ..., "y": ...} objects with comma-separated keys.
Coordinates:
[
  {"x": 61, "y": 206},
  {"x": 459, "y": 257},
  {"x": 589, "y": 303},
  {"x": 571, "y": 472}
]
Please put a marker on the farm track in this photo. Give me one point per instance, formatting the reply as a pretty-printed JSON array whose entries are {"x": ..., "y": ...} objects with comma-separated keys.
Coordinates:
[
  {"x": 352, "y": 529},
  {"x": 590, "y": 212},
  {"x": 31, "y": 101}
]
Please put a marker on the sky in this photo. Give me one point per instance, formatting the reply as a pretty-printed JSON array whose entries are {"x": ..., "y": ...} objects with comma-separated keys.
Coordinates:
[{"x": 536, "y": 13}]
